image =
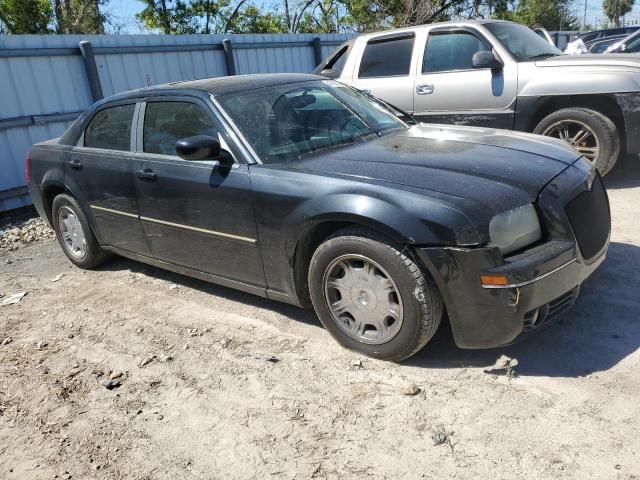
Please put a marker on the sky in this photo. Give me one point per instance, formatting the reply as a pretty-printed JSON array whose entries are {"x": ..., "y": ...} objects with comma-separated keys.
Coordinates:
[{"x": 123, "y": 13}]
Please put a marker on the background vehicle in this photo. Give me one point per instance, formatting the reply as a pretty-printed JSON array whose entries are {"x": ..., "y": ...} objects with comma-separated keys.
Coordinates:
[
  {"x": 630, "y": 44},
  {"x": 503, "y": 75},
  {"x": 304, "y": 190},
  {"x": 583, "y": 41},
  {"x": 601, "y": 45}
]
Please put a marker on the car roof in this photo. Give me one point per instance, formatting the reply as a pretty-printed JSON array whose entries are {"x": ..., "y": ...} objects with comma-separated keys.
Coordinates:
[
  {"x": 452, "y": 23},
  {"x": 220, "y": 85}
]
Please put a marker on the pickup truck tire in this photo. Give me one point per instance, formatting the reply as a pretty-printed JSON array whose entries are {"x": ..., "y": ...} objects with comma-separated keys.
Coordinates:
[
  {"x": 356, "y": 278},
  {"x": 585, "y": 130},
  {"x": 74, "y": 234}
]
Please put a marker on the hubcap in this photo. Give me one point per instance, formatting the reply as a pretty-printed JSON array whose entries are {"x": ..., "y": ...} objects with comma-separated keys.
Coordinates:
[
  {"x": 579, "y": 135},
  {"x": 71, "y": 232},
  {"x": 363, "y": 299}
]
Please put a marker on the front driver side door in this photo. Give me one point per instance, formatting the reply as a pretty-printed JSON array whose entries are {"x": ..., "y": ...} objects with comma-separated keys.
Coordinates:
[
  {"x": 449, "y": 90},
  {"x": 194, "y": 214}
]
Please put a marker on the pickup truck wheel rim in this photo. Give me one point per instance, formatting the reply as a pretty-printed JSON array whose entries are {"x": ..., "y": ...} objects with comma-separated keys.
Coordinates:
[
  {"x": 579, "y": 135},
  {"x": 363, "y": 299},
  {"x": 72, "y": 233}
]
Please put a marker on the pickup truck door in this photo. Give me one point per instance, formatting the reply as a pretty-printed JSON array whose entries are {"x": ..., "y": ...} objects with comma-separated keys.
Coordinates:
[
  {"x": 98, "y": 171},
  {"x": 195, "y": 214},
  {"x": 449, "y": 90},
  {"x": 385, "y": 69}
]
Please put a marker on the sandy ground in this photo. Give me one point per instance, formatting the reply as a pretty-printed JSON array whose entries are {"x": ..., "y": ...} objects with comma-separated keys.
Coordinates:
[{"x": 218, "y": 384}]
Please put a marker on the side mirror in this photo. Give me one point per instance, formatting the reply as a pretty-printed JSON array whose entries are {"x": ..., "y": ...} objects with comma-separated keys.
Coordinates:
[
  {"x": 486, "y": 60},
  {"x": 330, "y": 73},
  {"x": 202, "y": 147}
]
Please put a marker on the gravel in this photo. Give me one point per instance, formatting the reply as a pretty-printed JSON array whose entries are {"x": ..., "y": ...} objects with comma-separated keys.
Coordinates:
[{"x": 21, "y": 233}]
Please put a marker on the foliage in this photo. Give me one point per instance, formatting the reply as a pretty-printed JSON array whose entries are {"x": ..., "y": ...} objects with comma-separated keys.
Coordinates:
[
  {"x": 285, "y": 16},
  {"x": 26, "y": 16},
  {"x": 614, "y": 9},
  {"x": 78, "y": 16},
  {"x": 550, "y": 14}
]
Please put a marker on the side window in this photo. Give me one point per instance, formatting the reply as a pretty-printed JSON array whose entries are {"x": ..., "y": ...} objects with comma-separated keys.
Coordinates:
[
  {"x": 446, "y": 51},
  {"x": 339, "y": 59},
  {"x": 167, "y": 122},
  {"x": 389, "y": 57},
  {"x": 110, "y": 128}
]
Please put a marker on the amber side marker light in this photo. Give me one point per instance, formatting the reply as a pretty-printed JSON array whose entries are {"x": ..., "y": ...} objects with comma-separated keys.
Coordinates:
[{"x": 490, "y": 280}]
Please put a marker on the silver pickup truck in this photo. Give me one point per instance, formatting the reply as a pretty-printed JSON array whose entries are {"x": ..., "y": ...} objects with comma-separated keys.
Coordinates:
[{"x": 502, "y": 75}]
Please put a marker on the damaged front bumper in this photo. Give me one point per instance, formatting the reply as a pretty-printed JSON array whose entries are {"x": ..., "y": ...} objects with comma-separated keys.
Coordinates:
[{"x": 544, "y": 283}]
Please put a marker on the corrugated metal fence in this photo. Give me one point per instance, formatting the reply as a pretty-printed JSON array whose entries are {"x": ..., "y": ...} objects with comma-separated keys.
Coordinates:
[{"x": 46, "y": 81}]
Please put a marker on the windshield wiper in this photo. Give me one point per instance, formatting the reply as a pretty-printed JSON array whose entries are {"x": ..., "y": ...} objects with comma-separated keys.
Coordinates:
[
  {"x": 391, "y": 106},
  {"x": 542, "y": 56}
]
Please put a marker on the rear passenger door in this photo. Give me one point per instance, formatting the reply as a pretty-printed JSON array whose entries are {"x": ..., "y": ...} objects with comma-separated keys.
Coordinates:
[
  {"x": 195, "y": 214},
  {"x": 385, "y": 69},
  {"x": 449, "y": 90},
  {"x": 98, "y": 171}
]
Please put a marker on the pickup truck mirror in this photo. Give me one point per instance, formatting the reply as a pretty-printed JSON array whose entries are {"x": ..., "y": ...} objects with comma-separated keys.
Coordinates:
[
  {"x": 330, "y": 73},
  {"x": 486, "y": 60},
  {"x": 202, "y": 147}
]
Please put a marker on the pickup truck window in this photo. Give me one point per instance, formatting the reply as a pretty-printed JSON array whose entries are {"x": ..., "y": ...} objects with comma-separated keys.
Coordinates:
[
  {"x": 167, "y": 122},
  {"x": 388, "y": 57},
  {"x": 446, "y": 51},
  {"x": 522, "y": 42},
  {"x": 110, "y": 128}
]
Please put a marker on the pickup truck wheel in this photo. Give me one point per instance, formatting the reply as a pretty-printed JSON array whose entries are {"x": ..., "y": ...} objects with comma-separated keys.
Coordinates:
[
  {"x": 371, "y": 297},
  {"x": 74, "y": 234},
  {"x": 591, "y": 133}
]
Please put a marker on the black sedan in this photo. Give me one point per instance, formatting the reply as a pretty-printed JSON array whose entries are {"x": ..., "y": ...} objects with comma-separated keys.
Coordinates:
[{"x": 301, "y": 189}]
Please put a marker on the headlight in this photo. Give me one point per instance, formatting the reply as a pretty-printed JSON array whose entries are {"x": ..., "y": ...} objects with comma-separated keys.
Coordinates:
[{"x": 515, "y": 229}]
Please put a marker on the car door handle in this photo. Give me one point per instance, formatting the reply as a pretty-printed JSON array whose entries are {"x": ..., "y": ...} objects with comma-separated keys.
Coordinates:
[
  {"x": 425, "y": 89},
  {"x": 147, "y": 175},
  {"x": 75, "y": 164}
]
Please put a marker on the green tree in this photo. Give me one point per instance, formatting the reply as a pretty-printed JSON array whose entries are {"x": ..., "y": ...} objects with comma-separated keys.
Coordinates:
[
  {"x": 615, "y": 9},
  {"x": 551, "y": 14},
  {"x": 26, "y": 16},
  {"x": 252, "y": 20},
  {"x": 79, "y": 16}
]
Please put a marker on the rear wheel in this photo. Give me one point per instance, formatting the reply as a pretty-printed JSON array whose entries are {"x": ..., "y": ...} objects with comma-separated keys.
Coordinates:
[
  {"x": 371, "y": 297},
  {"x": 74, "y": 234},
  {"x": 591, "y": 133}
]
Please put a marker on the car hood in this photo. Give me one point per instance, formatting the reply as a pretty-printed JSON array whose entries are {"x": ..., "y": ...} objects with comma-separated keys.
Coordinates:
[
  {"x": 624, "y": 60},
  {"x": 495, "y": 168}
]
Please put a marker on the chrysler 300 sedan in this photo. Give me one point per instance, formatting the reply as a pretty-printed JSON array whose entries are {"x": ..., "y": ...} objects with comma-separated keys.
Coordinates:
[{"x": 304, "y": 190}]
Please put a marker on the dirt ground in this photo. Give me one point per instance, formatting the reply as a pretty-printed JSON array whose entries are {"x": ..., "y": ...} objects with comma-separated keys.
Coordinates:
[{"x": 218, "y": 384}]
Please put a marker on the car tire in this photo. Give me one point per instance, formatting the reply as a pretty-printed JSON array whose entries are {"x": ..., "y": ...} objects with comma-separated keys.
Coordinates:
[
  {"x": 416, "y": 296},
  {"x": 74, "y": 233},
  {"x": 601, "y": 127}
]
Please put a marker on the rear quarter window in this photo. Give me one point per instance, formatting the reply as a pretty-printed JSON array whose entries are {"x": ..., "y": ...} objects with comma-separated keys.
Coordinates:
[
  {"x": 388, "y": 57},
  {"x": 110, "y": 128}
]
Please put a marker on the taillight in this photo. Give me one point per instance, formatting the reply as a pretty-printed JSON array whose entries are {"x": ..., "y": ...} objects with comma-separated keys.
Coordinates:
[{"x": 27, "y": 169}]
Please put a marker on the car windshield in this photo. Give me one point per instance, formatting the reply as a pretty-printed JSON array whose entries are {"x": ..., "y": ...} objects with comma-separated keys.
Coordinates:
[
  {"x": 291, "y": 121},
  {"x": 522, "y": 42}
]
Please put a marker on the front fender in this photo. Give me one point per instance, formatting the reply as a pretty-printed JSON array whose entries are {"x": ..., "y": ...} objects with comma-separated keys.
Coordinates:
[
  {"x": 406, "y": 218},
  {"x": 305, "y": 201}
]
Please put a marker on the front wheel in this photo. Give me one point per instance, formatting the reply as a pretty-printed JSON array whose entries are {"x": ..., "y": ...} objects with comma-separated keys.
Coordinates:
[
  {"x": 371, "y": 297},
  {"x": 591, "y": 133}
]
